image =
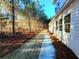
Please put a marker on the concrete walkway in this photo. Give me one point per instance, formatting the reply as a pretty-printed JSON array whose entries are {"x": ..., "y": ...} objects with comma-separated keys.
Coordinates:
[
  {"x": 39, "y": 47},
  {"x": 47, "y": 50}
]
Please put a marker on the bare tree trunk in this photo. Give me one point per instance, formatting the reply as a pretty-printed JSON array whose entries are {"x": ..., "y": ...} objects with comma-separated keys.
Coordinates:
[
  {"x": 37, "y": 23},
  {"x": 29, "y": 23},
  {"x": 28, "y": 12},
  {"x": 13, "y": 17},
  {"x": 1, "y": 26}
]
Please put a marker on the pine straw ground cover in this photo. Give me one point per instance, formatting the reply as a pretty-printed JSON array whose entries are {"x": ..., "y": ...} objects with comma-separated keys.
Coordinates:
[
  {"x": 9, "y": 43},
  {"x": 62, "y": 51}
]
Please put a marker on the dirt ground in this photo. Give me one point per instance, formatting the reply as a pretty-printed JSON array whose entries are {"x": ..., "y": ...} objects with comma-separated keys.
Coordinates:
[
  {"x": 62, "y": 51},
  {"x": 9, "y": 43}
]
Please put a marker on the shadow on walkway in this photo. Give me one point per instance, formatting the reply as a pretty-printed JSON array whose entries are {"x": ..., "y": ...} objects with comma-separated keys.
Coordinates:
[
  {"x": 28, "y": 50},
  {"x": 8, "y": 43}
]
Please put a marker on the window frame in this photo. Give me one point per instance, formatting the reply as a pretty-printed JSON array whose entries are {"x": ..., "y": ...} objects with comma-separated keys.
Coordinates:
[
  {"x": 56, "y": 25},
  {"x": 60, "y": 24},
  {"x": 67, "y": 23}
]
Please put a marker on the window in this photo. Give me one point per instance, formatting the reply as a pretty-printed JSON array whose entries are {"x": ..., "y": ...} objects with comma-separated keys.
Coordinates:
[
  {"x": 67, "y": 23},
  {"x": 60, "y": 24},
  {"x": 56, "y": 25}
]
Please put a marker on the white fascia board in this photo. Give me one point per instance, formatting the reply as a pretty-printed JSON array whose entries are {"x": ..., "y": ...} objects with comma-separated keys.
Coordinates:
[{"x": 68, "y": 2}]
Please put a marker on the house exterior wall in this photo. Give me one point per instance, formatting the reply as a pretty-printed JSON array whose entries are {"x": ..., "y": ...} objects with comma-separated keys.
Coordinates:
[
  {"x": 70, "y": 39},
  {"x": 73, "y": 41},
  {"x": 51, "y": 26}
]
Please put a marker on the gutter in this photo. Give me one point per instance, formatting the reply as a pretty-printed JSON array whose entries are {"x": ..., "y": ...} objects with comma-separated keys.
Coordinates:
[{"x": 65, "y": 5}]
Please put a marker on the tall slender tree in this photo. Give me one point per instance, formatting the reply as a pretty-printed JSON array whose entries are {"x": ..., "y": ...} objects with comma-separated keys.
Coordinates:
[
  {"x": 13, "y": 17},
  {"x": 28, "y": 11},
  {"x": 33, "y": 9},
  {"x": 14, "y": 8},
  {"x": 1, "y": 18}
]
